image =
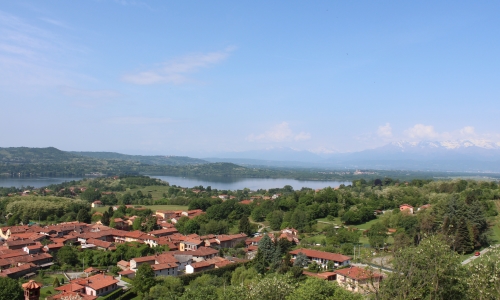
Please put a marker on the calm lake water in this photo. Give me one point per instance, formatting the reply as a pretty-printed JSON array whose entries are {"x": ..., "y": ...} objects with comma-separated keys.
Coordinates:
[
  {"x": 36, "y": 182},
  {"x": 225, "y": 183},
  {"x": 220, "y": 183}
]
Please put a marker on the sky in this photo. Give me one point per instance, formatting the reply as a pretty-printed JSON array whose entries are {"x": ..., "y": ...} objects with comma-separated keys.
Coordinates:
[{"x": 205, "y": 77}]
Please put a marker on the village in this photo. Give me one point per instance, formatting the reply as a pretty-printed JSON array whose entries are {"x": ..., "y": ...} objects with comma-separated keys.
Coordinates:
[{"x": 27, "y": 250}]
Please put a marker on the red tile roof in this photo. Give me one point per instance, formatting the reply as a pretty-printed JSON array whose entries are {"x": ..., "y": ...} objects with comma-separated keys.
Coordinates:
[
  {"x": 97, "y": 282},
  {"x": 164, "y": 266},
  {"x": 201, "y": 264},
  {"x": 357, "y": 273},
  {"x": 321, "y": 254}
]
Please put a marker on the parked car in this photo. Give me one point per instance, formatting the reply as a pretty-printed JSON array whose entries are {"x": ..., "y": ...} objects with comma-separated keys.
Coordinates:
[{"x": 477, "y": 253}]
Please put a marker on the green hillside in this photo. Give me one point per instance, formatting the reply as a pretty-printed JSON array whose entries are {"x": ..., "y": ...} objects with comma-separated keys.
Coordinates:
[{"x": 150, "y": 160}]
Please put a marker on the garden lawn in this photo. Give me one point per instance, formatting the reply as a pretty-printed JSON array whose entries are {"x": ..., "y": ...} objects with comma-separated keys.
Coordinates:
[
  {"x": 366, "y": 225},
  {"x": 47, "y": 281}
]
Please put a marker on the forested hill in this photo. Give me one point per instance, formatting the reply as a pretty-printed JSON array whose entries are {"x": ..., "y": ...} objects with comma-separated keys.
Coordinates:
[
  {"x": 149, "y": 160},
  {"x": 24, "y": 161},
  {"x": 25, "y": 155}
]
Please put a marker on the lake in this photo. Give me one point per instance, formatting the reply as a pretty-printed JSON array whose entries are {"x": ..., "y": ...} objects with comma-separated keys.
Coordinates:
[
  {"x": 232, "y": 183},
  {"x": 36, "y": 182},
  {"x": 220, "y": 183}
]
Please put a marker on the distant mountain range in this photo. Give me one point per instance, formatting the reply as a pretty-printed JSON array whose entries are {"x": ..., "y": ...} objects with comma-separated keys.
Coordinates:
[
  {"x": 453, "y": 156},
  {"x": 461, "y": 155}
]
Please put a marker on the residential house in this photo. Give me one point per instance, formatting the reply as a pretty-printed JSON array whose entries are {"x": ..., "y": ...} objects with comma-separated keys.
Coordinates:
[
  {"x": 229, "y": 241},
  {"x": 199, "y": 266},
  {"x": 328, "y": 276},
  {"x": 358, "y": 280},
  {"x": 190, "y": 244},
  {"x": 200, "y": 254},
  {"x": 406, "y": 208},
  {"x": 322, "y": 258},
  {"x": 162, "y": 264},
  {"x": 19, "y": 244},
  {"x": 24, "y": 270},
  {"x": 96, "y": 203},
  {"x": 97, "y": 285}
]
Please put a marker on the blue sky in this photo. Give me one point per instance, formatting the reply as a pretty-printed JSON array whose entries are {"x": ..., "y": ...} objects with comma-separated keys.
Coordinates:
[{"x": 203, "y": 77}]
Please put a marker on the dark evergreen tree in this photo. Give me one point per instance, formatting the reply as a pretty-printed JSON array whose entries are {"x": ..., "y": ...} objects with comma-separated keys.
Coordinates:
[
  {"x": 245, "y": 226},
  {"x": 267, "y": 248},
  {"x": 462, "y": 242},
  {"x": 83, "y": 216},
  {"x": 105, "y": 218}
]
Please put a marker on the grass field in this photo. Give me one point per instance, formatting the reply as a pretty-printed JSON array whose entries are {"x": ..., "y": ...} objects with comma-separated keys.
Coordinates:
[
  {"x": 47, "y": 281},
  {"x": 156, "y": 191},
  {"x": 152, "y": 207},
  {"x": 337, "y": 221}
]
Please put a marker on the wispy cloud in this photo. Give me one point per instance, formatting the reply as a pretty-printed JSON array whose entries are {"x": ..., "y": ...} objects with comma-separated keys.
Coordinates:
[
  {"x": 421, "y": 131},
  {"x": 30, "y": 54},
  {"x": 138, "y": 120},
  {"x": 177, "y": 70},
  {"x": 385, "y": 130},
  {"x": 279, "y": 133}
]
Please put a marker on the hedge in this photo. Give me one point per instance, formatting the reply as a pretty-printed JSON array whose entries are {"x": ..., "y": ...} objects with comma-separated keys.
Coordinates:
[
  {"x": 127, "y": 296},
  {"x": 113, "y": 295}
]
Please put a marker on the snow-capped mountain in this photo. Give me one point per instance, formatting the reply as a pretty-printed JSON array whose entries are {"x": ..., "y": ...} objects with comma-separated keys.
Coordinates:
[
  {"x": 449, "y": 145},
  {"x": 459, "y": 155}
]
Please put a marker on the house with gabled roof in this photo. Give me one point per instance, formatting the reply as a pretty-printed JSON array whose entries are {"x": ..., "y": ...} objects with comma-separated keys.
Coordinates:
[
  {"x": 199, "y": 266},
  {"x": 97, "y": 285},
  {"x": 322, "y": 258},
  {"x": 360, "y": 280}
]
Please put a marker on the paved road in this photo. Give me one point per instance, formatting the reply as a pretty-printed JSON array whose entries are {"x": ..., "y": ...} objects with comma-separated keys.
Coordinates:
[
  {"x": 121, "y": 283},
  {"x": 468, "y": 260}
]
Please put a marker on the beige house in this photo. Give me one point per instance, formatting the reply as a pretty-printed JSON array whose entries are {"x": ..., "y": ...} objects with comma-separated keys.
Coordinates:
[{"x": 358, "y": 280}]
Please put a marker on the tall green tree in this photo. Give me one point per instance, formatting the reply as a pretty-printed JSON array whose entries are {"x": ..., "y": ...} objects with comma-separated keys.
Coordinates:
[
  {"x": 430, "y": 270},
  {"x": 10, "y": 289},
  {"x": 377, "y": 235},
  {"x": 144, "y": 279},
  {"x": 245, "y": 226},
  {"x": 67, "y": 255},
  {"x": 168, "y": 288},
  {"x": 105, "y": 218},
  {"x": 83, "y": 216},
  {"x": 463, "y": 242}
]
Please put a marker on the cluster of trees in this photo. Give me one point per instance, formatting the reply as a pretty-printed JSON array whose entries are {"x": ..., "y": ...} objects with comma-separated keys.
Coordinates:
[
  {"x": 141, "y": 181},
  {"x": 242, "y": 283},
  {"x": 463, "y": 221},
  {"x": 70, "y": 258},
  {"x": 432, "y": 270},
  {"x": 56, "y": 209}
]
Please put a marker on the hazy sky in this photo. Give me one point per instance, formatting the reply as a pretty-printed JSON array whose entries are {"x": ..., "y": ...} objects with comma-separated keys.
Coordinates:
[{"x": 188, "y": 77}]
